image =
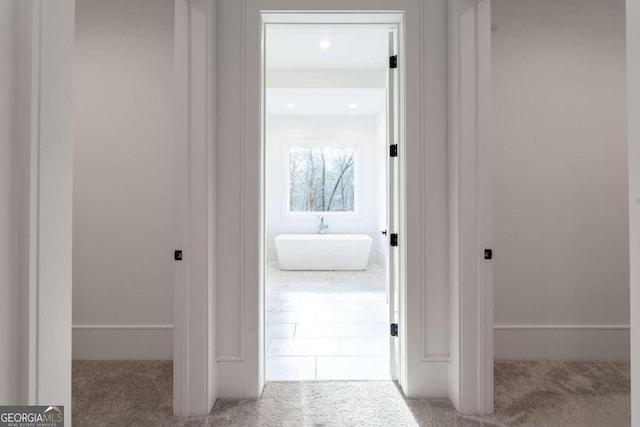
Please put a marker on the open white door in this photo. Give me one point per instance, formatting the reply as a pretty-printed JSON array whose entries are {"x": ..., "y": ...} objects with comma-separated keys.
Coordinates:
[{"x": 393, "y": 215}]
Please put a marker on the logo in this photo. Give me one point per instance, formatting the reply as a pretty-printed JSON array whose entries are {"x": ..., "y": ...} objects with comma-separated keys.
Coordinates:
[{"x": 32, "y": 416}]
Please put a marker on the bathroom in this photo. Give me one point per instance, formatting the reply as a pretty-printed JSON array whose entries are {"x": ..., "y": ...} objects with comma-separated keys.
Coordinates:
[{"x": 326, "y": 240}]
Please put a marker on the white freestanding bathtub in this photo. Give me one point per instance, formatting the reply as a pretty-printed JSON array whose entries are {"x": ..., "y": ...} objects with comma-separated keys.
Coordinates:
[{"x": 323, "y": 251}]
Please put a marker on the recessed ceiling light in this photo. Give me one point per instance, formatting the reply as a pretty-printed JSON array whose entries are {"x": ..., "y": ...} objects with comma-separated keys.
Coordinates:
[
  {"x": 291, "y": 105},
  {"x": 324, "y": 44},
  {"x": 353, "y": 105}
]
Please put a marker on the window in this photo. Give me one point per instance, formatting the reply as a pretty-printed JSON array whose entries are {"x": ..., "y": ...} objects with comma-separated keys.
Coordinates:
[{"x": 321, "y": 178}]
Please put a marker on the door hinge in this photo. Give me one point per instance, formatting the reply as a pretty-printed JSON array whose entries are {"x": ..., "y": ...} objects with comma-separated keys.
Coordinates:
[
  {"x": 394, "y": 239},
  {"x": 177, "y": 255},
  {"x": 393, "y": 61},
  {"x": 488, "y": 254},
  {"x": 393, "y": 150},
  {"x": 394, "y": 329}
]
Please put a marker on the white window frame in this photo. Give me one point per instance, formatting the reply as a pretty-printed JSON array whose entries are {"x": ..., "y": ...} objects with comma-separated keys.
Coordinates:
[{"x": 288, "y": 145}]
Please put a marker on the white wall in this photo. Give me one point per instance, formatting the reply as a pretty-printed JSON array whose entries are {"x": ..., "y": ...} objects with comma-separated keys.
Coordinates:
[
  {"x": 633, "y": 98},
  {"x": 560, "y": 179},
  {"x": 308, "y": 78},
  {"x": 360, "y": 130},
  {"x": 122, "y": 265}
]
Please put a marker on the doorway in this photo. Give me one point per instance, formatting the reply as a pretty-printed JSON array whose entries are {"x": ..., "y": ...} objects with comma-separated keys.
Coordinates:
[{"x": 330, "y": 200}]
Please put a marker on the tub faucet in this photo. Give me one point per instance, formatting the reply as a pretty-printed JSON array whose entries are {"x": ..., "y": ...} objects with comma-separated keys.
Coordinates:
[{"x": 323, "y": 226}]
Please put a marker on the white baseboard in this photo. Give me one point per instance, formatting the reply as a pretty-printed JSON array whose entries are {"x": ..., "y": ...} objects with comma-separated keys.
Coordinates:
[
  {"x": 430, "y": 382},
  {"x": 562, "y": 342},
  {"x": 122, "y": 342},
  {"x": 236, "y": 381}
]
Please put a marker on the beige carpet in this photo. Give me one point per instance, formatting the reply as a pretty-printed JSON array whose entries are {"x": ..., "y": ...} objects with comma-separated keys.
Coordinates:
[
  {"x": 138, "y": 393},
  {"x": 562, "y": 393},
  {"x": 121, "y": 393}
]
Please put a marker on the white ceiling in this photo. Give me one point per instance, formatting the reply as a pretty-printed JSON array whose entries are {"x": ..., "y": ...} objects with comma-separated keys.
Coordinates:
[
  {"x": 325, "y": 102},
  {"x": 297, "y": 47}
]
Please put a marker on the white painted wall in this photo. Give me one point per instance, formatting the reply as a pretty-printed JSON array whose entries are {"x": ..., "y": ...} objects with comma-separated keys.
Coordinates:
[
  {"x": 123, "y": 183},
  {"x": 282, "y": 131},
  {"x": 633, "y": 99},
  {"x": 560, "y": 179}
]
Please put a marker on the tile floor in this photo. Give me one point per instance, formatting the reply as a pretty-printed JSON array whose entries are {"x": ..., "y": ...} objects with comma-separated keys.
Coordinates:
[{"x": 326, "y": 325}]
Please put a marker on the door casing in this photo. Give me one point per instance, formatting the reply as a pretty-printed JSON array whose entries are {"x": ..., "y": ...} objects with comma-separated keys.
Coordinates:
[
  {"x": 428, "y": 313},
  {"x": 239, "y": 152},
  {"x": 392, "y": 22}
]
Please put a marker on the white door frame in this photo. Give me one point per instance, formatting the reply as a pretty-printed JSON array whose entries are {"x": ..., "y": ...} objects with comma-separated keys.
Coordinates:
[
  {"x": 43, "y": 106},
  {"x": 283, "y": 11},
  {"x": 393, "y": 195},
  {"x": 238, "y": 225},
  {"x": 471, "y": 370},
  {"x": 633, "y": 100},
  {"x": 465, "y": 374},
  {"x": 44, "y": 109},
  {"x": 395, "y": 22},
  {"x": 195, "y": 370}
]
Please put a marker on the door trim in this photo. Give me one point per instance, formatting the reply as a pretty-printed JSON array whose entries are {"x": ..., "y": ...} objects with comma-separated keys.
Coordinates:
[
  {"x": 426, "y": 358},
  {"x": 194, "y": 373},
  {"x": 471, "y": 369},
  {"x": 633, "y": 109},
  {"x": 43, "y": 107},
  {"x": 352, "y": 18},
  {"x": 238, "y": 151}
]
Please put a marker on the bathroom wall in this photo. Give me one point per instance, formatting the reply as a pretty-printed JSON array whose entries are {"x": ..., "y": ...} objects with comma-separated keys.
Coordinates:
[
  {"x": 361, "y": 130},
  {"x": 560, "y": 179},
  {"x": 122, "y": 235},
  {"x": 326, "y": 78}
]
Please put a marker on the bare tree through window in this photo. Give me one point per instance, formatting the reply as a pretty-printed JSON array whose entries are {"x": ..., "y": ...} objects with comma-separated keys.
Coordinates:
[{"x": 321, "y": 179}]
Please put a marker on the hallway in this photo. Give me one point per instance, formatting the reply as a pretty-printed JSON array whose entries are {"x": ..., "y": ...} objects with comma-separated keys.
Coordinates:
[{"x": 139, "y": 144}]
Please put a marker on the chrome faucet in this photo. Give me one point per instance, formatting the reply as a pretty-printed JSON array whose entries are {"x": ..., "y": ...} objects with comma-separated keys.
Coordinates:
[{"x": 323, "y": 226}]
